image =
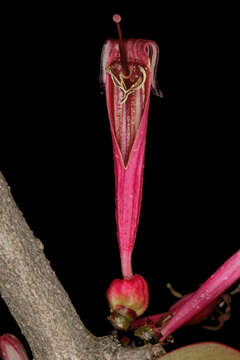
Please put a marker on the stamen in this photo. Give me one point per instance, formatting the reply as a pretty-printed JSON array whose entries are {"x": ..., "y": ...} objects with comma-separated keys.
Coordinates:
[
  {"x": 123, "y": 56},
  {"x": 121, "y": 84},
  {"x": 173, "y": 291}
]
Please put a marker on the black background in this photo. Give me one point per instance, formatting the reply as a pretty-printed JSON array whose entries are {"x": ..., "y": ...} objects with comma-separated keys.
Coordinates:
[{"x": 56, "y": 151}]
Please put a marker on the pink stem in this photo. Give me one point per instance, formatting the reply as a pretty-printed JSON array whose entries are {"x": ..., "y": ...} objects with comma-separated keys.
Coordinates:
[{"x": 126, "y": 264}]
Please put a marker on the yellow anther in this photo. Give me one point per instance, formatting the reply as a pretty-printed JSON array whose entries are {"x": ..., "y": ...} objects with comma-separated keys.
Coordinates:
[{"x": 122, "y": 85}]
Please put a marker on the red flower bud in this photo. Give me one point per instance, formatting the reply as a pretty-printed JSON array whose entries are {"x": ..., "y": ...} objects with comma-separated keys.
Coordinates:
[
  {"x": 11, "y": 348},
  {"x": 128, "y": 299}
]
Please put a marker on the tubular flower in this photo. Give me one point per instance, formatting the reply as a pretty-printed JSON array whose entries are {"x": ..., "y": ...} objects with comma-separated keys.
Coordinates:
[
  {"x": 194, "y": 308},
  {"x": 210, "y": 290},
  {"x": 11, "y": 348},
  {"x": 150, "y": 327},
  {"x": 128, "y": 69}
]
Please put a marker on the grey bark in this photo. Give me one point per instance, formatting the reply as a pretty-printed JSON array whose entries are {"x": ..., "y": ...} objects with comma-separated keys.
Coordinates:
[{"x": 39, "y": 303}]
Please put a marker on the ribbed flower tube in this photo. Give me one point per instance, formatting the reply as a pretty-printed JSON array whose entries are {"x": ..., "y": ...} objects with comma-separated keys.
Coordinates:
[
  {"x": 127, "y": 99},
  {"x": 210, "y": 290},
  {"x": 195, "y": 307}
]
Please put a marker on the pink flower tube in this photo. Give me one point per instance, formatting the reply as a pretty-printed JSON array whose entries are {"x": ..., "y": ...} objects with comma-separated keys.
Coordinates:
[
  {"x": 128, "y": 103},
  {"x": 128, "y": 69},
  {"x": 194, "y": 308},
  {"x": 201, "y": 299}
]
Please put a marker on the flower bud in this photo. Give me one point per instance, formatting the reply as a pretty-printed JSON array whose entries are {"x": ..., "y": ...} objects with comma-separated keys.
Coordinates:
[
  {"x": 11, "y": 348},
  {"x": 128, "y": 299}
]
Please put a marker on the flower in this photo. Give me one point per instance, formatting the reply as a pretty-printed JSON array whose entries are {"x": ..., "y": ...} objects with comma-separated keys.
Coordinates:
[
  {"x": 128, "y": 72},
  {"x": 127, "y": 98},
  {"x": 195, "y": 307},
  {"x": 207, "y": 293}
]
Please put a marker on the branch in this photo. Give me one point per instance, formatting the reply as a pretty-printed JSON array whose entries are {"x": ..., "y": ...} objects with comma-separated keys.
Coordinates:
[{"x": 39, "y": 303}]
